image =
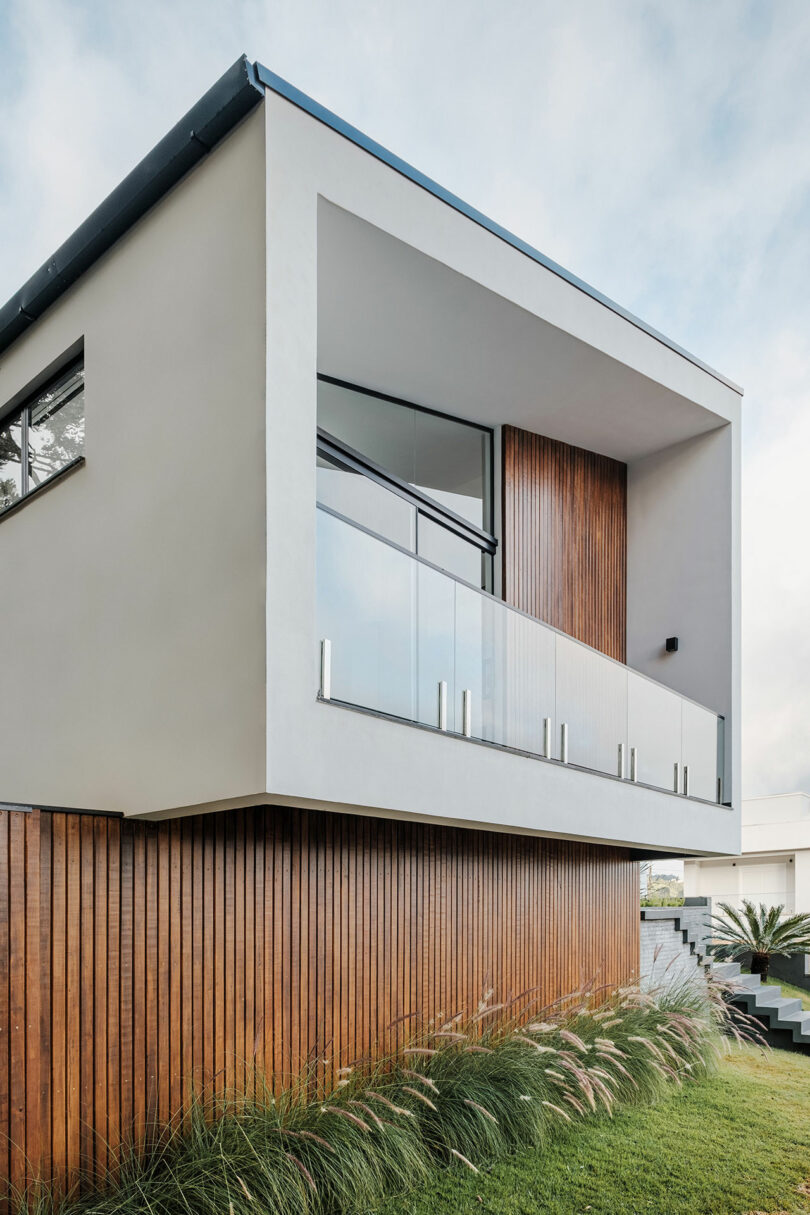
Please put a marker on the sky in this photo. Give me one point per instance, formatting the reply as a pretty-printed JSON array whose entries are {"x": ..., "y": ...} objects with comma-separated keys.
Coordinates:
[{"x": 660, "y": 150}]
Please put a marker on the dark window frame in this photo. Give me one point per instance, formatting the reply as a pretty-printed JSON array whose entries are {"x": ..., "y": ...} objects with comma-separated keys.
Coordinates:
[{"x": 22, "y": 413}]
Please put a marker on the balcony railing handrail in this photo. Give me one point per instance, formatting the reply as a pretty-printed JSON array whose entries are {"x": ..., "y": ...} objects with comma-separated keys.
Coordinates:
[{"x": 488, "y": 595}]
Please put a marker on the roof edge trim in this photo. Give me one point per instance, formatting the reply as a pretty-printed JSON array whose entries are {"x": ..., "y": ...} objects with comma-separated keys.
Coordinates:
[
  {"x": 290, "y": 93},
  {"x": 211, "y": 118}
]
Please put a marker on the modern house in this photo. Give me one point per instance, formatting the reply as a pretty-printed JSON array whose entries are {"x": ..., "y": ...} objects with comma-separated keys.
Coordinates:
[
  {"x": 370, "y": 607},
  {"x": 774, "y": 866}
]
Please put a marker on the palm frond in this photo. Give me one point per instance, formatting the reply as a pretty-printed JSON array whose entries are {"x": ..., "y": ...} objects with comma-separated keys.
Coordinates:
[{"x": 759, "y": 929}]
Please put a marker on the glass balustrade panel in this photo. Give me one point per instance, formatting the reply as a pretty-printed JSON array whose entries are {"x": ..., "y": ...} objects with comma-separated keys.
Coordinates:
[
  {"x": 592, "y": 700},
  {"x": 361, "y": 499},
  {"x": 654, "y": 729},
  {"x": 699, "y": 727},
  {"x": 399, "y": 628},
  {"x": 477, "y": 626},
  {"x": 367, "y": 608},
  {"x": 435, "y": 647},
  {"x": 527, "y": 665}
]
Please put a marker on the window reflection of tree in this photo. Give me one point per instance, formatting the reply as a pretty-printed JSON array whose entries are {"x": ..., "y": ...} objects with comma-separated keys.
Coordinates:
[
  {"x": 56, "y": 433},
  {"x": 10, "y": 455},
  {"x": 54, "y": 426}
]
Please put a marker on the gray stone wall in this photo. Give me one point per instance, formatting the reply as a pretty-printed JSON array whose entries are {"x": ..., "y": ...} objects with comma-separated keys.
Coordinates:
[{"x": 665, "y": 956}]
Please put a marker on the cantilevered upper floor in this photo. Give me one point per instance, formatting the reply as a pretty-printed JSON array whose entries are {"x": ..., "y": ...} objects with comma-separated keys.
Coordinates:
[{"x": 355, "y": 500}]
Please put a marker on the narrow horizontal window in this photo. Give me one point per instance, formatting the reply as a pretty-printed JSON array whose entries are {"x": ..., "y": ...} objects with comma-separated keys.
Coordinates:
[{"x": 43, "y": 438}]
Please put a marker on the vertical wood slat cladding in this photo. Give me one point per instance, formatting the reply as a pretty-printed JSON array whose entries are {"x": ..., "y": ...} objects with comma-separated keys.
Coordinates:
[
  {"x": 565, "y": 538},
  {"x": 139, "y": 960}
]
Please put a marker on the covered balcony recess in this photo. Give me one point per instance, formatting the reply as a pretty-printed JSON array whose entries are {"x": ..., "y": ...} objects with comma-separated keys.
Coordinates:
[{"x": 408, "y": 629}]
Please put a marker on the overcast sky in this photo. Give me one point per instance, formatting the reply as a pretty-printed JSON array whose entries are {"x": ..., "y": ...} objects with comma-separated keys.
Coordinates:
[{"x": 659, "y": 150}]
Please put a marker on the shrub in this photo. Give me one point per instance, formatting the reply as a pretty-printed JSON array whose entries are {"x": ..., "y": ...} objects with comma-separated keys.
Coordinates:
[
  {"x": 761, "y": 931},
  {"x": 463, "y": 1093}
]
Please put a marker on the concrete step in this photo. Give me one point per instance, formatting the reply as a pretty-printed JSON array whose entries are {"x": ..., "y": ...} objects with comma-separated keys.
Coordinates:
[
  {"x": 775, "y": 1011},
  {"x": 784, "y": 1006},
  {"x": 726, "y": 970},
  {"x": 749, "y": 981},
  {"x": 799, "y": 1024}
]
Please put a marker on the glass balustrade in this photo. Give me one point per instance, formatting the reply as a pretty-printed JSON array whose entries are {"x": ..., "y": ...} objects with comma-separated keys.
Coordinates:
[{"x": 411, "y": 641}]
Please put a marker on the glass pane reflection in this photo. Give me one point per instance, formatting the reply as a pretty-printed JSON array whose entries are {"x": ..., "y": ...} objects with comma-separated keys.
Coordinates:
[
  {"x": 359, "y": 498},
  {"x": 10, "y": 462},
  {"x": 56, "y": 427}
]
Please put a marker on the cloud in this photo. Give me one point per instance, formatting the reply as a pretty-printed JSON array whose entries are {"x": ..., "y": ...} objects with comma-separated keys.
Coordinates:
[{"x": 658, "y": 150}]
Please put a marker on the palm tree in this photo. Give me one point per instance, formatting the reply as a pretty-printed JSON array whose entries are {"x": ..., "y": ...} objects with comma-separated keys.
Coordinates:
[{"x": 761, "y": 932}]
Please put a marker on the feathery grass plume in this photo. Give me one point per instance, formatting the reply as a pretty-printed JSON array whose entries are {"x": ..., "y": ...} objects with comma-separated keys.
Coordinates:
[
  {"x": 568, "y": 1036},
  {"x": 536, "y": 1045},
  {"x": 315, "y": 1139},
  {"x": 483, "y": 1013},
  {"x": 395, "y": 1109},
  {"x": 475, "y": 1106},
  {"x": 302, "y": 1168},
  {"x": 420, "y": 1078},
  {"x": 469, "y": 1164},
  {"x": 414, "y": 1092},
  {"x": 335, "y": 1109}
]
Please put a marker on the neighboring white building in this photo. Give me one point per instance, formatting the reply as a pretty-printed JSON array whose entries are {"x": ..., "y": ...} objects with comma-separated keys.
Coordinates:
[{"x": 775, "y": 863}]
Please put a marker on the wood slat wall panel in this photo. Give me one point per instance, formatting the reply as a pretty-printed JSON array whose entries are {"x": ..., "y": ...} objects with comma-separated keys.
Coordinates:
[
  {"x": 141, "y": 960},
  {"x": 565, "y": 538}
]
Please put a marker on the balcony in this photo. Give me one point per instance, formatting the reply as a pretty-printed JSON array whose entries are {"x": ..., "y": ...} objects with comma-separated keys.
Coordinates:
[{"x": 406, "y": 640}]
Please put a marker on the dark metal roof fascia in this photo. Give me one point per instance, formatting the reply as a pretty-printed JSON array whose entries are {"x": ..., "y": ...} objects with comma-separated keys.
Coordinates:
[
  {"x": 277, "y": 85},
  {"x": 208, "y": 121}
]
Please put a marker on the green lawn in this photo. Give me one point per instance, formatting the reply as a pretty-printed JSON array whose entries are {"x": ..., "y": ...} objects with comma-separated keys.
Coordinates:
[{"x": 736, "y": 1144}]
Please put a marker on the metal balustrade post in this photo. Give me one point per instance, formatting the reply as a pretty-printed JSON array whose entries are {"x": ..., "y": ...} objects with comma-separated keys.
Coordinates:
[
  {"x": 634, "y": 764},
  {"x": 564, "y": 743},
  {"x": 326, "y": 669},
  {"x": 466, "y": 713},
  {"x": 620, "y": 762},
  {"x": 686, "y": 780},
  {"x": 677, "y": 777},
  {"x": 547, "y": 737},
  {"x": 442, "y": 704}
]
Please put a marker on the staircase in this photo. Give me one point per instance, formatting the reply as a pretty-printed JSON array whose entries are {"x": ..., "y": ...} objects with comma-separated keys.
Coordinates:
[
  {"x": 783, "y": 1018},
  {"x": 688, "y": 922}
]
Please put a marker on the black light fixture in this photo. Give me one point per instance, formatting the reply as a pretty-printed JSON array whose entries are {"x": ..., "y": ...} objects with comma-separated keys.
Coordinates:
[{"x": 671, "y": 645}]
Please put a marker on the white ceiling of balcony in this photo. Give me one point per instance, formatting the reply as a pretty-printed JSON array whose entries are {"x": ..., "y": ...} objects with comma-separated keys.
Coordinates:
[{"x": 393, "y": 319}]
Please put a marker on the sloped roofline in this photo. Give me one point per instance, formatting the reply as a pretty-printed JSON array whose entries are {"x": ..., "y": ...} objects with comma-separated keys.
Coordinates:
[{"x": 216, "y": 113}]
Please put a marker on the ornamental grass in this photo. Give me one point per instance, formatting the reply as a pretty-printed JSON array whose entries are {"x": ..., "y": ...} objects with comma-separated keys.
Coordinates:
[{"x": 464, "y": 1092}]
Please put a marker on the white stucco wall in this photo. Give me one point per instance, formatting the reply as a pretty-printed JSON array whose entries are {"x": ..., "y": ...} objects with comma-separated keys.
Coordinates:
[
  {"x": 132, "y": 604},
  {"x": 683, "y": 577}
]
